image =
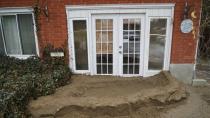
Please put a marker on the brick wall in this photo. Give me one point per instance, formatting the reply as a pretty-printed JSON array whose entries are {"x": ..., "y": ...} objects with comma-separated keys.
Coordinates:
[{"x": 54, "y": 29}]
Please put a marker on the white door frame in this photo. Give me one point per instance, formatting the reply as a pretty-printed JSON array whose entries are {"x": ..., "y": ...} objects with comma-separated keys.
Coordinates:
[
  {"x": 72, "y": 59},
  {"x": 118, "y": 41},
  {"x": 115, "y": 36},
  {"x": 150, "y": 10}
]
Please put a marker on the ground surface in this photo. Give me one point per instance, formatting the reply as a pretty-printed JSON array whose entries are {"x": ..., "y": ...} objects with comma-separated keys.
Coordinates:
[
  {"x": 203, "y": 72},
  {"x": 197, "y": 105},
  {"x": 160, "y": 96}
]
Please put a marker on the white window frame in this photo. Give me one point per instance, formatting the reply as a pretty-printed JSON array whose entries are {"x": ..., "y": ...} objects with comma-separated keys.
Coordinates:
[
  {"x": 15, "y": 11},
  {"x": 167, "y": 56},
  {"x": 149, "y": 10}
]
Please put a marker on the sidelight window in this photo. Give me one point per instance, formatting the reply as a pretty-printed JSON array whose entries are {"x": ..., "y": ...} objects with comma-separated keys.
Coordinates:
[
  {"x": 80, "y": 43},
  {"x": 157, "y": 43}
]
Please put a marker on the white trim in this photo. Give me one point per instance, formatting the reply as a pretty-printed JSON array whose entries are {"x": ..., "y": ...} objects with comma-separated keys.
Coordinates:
[
  {"x": 35, "y": 34},
  {"x": 18, "y": 29},
  {"x": 170, "y": 36},
  {"x": 167, "y": 45},
  {"x": 15, "y": 10},
  {"x": 198, "y": 40},
  {"x": 5, "y": 49},
  {"x": 121, "y": 6}
]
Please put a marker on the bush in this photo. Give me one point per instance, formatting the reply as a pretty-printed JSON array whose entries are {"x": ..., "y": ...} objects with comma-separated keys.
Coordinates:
[{"x": 21, "y": 80}]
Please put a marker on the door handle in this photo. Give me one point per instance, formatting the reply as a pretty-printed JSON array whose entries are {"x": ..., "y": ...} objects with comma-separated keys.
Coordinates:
[
  {"x": 120, "y": 47},
  {"x": 120, "y": 52}
]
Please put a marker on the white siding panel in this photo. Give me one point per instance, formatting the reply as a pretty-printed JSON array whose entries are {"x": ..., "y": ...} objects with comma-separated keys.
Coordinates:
[{"x": 159, "y": 12}]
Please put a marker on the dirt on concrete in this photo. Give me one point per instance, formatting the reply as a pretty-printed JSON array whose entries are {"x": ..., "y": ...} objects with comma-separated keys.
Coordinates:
[
  {"x": 197, "y": 105},
  {"x": 111, "y": 97}
]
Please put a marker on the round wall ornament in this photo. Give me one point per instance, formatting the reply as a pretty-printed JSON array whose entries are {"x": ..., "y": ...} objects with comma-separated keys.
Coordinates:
[{"x": 187, "y": 26}]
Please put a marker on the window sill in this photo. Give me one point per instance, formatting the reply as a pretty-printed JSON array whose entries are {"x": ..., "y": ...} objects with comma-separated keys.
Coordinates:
[{"x": 21, "y": 56}]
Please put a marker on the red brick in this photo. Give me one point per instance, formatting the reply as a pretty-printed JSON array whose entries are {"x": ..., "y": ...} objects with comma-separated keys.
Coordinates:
[{"x": 55, "y": 29}]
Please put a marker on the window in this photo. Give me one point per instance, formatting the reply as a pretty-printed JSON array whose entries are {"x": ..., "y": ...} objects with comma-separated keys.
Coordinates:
[
  {"x": 157, "y": 43},
  {"x": 131, "y": 45},
  {"x": 80, "y": 43},
  {"x": 17, "y": 35}
]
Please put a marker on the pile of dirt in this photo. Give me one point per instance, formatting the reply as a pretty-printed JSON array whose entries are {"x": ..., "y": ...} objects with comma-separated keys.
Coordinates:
[{"x": 111, "y": 97}]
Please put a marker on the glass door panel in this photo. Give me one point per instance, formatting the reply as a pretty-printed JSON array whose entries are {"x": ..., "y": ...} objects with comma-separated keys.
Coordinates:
[
  {"x": 104, "y": 46},
  {"x": 80, "y": 44},
  {"x": 157, "y": 43},
  {"x": 131, "y": 45}
]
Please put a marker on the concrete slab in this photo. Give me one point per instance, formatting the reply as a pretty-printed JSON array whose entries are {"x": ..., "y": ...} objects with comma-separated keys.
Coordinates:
[
  {"x": 183, "y": 72},
  {"x": 200, "y": 82}
]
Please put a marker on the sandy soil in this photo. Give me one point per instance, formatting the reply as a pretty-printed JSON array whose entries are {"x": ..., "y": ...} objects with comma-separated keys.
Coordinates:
[
  {"x": 160, "y": 96},
  {"x": 196, "y": 106}
]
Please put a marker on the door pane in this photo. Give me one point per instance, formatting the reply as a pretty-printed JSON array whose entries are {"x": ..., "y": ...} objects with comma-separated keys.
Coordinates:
[
  {"x": 80, "y": 43},
  {"x": 99, "y": 69},
  {"x": 104, "y": 46},
  {"x": 131, "y": 45},
  {"x": 157, "y": 43},
  {"x": 136, "y": 69},
  {"x": 11, "y": 35},
  {"x": 27, "y": 33},
  {"x": 2, "y": 50}
]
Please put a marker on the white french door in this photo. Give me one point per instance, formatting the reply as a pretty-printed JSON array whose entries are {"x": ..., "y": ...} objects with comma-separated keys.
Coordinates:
[
  {"x": 131, "y": 35},
  {"x": 118, "y": 44},
  {"x": 105, "y": 37},
  {"x": 120, "y": 40}
]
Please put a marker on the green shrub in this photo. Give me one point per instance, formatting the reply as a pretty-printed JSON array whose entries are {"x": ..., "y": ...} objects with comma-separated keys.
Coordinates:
[{"x": 21, "y": 80}]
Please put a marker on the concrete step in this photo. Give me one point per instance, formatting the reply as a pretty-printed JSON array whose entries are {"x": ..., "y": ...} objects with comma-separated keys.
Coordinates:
[{"x": 200, "y": 82}]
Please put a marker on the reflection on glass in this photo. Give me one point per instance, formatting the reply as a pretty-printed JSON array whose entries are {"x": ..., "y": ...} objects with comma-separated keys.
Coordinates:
[
  {"x": 98, "y": 36},
  {"x": 110, "y": 36},
  {"x": 131, "y": 46},
  {"x": 80, "y": 43},
  {"x": 157, "y": 44},
  {"x": 104, "y": 46},
  {"x": 12, "y": 40},
  {"x": 158, "y": 26},
  {"x": 104, "y": 36},
  {"x": 98, "y": 24},
  {"x": 27, "y": 33},
  {"x": 2, "y": 51}
]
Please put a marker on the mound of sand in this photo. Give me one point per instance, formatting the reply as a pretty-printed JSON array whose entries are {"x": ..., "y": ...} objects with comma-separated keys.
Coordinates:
[{"x": 108, "y": 97}]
